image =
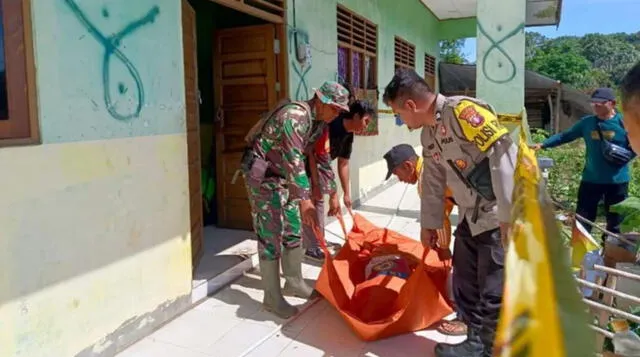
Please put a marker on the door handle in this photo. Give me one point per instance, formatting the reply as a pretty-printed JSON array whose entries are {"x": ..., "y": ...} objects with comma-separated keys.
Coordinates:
[{"x": 220, "y": 117}]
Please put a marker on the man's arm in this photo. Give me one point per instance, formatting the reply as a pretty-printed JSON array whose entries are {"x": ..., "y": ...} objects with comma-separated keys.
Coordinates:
[
  {"x": 432, "y": 201},
  {"x": 573, "y": 133},
  {"x": 343, "y": 174},
  {"x": 503, "y": 155},
  {"x": 344, "y": 149},
  {"x": 327, "y": 178},
  {"x": 314, "y": 179},
  {"x": 434, "y": 182},
  {"x": 323, "y": 163},
  {"x": 296, "y": 124}
]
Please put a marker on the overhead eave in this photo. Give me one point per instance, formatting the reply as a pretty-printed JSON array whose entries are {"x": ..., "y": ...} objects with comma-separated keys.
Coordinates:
[{"x": 539, "y": 12}]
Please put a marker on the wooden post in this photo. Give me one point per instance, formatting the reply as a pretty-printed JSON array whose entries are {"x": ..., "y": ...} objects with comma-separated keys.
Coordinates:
[
  {"x": 552, "y": 114},
  {"x": 556, "y": 129}
]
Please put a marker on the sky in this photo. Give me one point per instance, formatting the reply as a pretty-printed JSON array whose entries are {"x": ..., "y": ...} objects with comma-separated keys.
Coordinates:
[{"x": 580, "y": 17}]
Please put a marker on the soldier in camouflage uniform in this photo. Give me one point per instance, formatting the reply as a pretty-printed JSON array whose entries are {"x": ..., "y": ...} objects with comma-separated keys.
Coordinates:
[
  {"x": 279, "y": 191},
  {"x": 467, "y": 149}
]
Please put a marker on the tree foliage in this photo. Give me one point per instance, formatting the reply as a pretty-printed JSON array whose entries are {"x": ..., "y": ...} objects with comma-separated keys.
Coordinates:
[
  {"x": 587, "y": 62},
  {"x": 451, "y": 51}
]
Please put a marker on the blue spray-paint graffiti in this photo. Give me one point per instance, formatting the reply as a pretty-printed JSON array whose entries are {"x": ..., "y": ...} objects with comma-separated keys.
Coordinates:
[
  {"x": 296, "y": 36},
  {"x": 111, "y": 46},
  {"x": 302, "y": 89},
  {"x": 497, "y": 46}
]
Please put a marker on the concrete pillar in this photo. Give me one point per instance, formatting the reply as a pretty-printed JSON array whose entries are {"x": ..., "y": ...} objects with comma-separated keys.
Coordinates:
[{"x": 500, "y": 54}]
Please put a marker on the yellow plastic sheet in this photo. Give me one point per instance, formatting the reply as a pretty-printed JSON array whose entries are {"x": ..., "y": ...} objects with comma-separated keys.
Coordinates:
[
  {"x": 542, "y": 313},
  {"x": 581, "y": 243}
]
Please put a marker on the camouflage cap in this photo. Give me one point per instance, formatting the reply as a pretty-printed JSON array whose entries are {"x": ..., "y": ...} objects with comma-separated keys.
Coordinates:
[{"x": 334, "y": 93}]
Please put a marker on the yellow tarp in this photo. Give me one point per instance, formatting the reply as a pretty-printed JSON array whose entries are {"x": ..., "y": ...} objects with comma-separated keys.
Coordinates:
[
  {"x": 581, "y": 243},
  {"x": 542, "y": 314}
]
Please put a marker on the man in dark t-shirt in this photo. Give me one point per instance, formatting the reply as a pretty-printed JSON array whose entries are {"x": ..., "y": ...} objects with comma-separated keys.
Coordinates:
[
  {"x": 340, "y": 139},
  {"x": 340, "y": 134}
]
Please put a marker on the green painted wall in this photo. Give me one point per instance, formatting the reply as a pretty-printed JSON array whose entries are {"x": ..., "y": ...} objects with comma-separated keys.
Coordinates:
[
  {"x": 92, "y": 255},
  {"x": 75, "y": 69},
  {"x": 317, "y": 19}
]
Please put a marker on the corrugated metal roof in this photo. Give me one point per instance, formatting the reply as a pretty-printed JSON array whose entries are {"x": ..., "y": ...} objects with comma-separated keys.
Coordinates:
[{"x": 457, "y": 78}]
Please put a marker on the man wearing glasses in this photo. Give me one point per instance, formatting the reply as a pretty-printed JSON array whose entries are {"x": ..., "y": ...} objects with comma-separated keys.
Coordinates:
[{"x": 601, "y": 178}]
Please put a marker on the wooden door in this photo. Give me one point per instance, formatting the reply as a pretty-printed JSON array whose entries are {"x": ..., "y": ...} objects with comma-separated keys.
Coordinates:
[
  {"x": 245, "y": 87},
  {"x": 192, "y": 98}
]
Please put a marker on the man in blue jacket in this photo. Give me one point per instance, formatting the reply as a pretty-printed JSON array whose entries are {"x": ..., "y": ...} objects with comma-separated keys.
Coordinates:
[{"x": 601, "y": 179}]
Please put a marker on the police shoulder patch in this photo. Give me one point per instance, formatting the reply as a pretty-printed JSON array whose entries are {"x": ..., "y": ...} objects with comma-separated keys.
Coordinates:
[{"x": 479, "y": 125}]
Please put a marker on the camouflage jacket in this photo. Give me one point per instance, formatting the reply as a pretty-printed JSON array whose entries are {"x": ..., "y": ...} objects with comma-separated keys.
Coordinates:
[
  {"x": 283, "y": 141},
  {"x": 318, "y": 146}
]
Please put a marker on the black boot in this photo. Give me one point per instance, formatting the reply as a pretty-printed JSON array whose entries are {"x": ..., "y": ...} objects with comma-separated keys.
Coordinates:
[
  {"x": 471, "y": 347},
  {"x": 487, "y": 336}
]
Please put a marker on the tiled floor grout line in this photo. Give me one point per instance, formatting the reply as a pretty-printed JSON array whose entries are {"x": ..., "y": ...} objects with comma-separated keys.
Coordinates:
[
  {"x": 295, "y": 338},
  {"x": 156, "y": 340},
  {"x": 240, "y": 321},
  {"x": 308, "y": 306}
]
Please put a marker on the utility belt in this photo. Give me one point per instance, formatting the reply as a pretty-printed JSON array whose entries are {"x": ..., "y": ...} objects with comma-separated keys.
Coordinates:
[
  {"x": 254, "y": 167},
  {"x": 478, "y": 180}
]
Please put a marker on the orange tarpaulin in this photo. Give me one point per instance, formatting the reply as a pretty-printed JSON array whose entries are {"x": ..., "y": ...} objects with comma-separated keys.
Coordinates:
[{"x": 385, "y": 306}]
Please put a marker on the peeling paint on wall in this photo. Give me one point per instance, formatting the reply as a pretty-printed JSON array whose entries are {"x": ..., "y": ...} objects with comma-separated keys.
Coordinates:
[{"x": 136, "y": 328}]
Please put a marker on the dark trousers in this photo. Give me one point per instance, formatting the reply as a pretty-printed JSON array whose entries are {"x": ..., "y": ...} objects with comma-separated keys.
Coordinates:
[
  {"x": 589, "y": 196},
  {"x": 478, "y": 266}
]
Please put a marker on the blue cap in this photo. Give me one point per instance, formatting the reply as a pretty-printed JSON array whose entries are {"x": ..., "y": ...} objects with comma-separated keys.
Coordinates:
[
  {"x": 397, "y": 155},
  {"x": 602, "y": 95}
]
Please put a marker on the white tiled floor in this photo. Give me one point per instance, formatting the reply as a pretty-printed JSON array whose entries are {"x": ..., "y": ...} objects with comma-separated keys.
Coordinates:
[
  {"x": 232, "y": 323},
  {"x": 222, "y": 249}
]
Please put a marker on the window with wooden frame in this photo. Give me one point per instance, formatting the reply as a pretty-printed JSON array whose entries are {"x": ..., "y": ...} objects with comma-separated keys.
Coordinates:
[
  {"x": 358, "y": 58},
  {"x": 18, "y": 118},
  {"x": 404, "y": 54},
  {"x": 430, "y": 70}
]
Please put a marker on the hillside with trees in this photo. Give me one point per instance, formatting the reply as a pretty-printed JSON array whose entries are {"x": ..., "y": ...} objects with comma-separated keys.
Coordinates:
[{"x": 584, "y": 62}]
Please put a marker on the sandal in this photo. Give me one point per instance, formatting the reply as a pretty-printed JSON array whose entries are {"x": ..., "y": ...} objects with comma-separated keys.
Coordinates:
[{"x": 454, "y": 327}]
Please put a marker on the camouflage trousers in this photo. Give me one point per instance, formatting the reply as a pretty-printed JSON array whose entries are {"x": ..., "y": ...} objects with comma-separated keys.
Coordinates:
[{"x": 276, "y": 218}]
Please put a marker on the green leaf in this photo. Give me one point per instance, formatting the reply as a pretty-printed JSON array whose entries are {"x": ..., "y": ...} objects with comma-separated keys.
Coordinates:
[{"x": 630, "y": 209}]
